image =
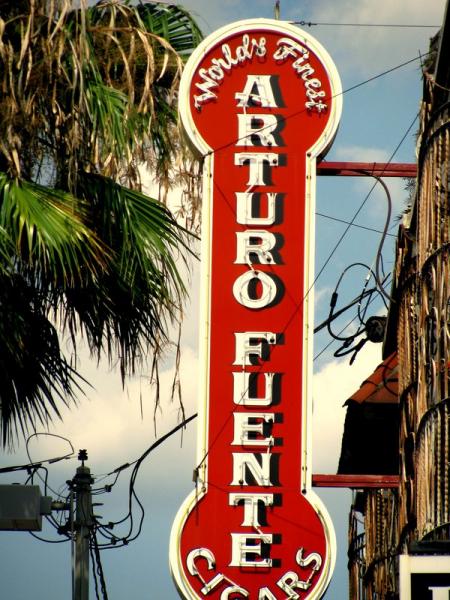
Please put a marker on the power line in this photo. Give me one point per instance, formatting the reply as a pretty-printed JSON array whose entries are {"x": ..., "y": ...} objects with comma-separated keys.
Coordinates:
[
  {"x": 353, "y": 224},
  {"x": 123, "y": 540},
  {"x": 393, "y": 25},
  {"x": 383, "y": 73}
]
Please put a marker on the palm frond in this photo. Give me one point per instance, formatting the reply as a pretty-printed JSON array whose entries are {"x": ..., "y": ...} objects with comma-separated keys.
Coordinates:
[
  {"x": 46, "y": 227},
  {"x": 172, "y": 23},
  {"x": 126, "y": 311},
  {"x": 34, "y": 374}
]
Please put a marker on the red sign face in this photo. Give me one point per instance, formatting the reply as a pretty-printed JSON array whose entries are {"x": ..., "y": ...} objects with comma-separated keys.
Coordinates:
[{"x": 260, "y": 100}]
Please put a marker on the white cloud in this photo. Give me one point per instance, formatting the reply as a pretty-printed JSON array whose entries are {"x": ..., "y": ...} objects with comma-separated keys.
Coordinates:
[{"x": 356, "y": 153}]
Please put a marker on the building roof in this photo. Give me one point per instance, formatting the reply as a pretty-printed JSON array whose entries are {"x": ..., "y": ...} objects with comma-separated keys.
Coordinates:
[{"x": 382, "y": 385}]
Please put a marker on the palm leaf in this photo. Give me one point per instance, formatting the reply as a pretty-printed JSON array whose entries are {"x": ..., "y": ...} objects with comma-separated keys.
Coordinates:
[
  {"x": 127, "y": 309},
  {"x": 34, "y": 374},
  {"x": 172, "y": 23},
  {"x": 46, "y": 227}
]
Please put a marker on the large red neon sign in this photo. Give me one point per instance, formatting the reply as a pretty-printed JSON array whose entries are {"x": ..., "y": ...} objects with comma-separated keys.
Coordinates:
[{"x": 260, "y": 100}]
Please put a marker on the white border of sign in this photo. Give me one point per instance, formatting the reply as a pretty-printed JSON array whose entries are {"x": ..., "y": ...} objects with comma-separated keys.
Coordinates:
[
  {"x": 205, "y": 295},
  {"x": 409, "y": 564}
]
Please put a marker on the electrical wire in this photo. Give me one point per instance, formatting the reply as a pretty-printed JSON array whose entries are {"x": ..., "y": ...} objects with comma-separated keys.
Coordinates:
[
  {"x": 41, "y": 539},
  {"x": 341, "y": 311},
  {"x": 131, "y": 535},
  {"x": 353, "y": 224},
  {"x": 347, "y": 346},
  {"x": 332, "y": 341},
  {"x": 155, "y": 445},
  {"x": 49, "y": 460},
  {"x": 212, "y": 152},
  {"x": 333, "y": 301},
  {"x": 378, "y": 259},
  {"x": 360, "y": 344},
  {"x": 393, "y": 25},
  {"x": 94, "y": 572},
  {"x": 96, "y": 560}
]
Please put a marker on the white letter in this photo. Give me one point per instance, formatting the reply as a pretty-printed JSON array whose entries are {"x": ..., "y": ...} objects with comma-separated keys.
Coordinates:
[
  {"x": 244, "y": 461},
  {"x": 257, "y": 90},
  {"x": 251, "y": 506},
  {"x": 246, "y": 245},
  {"x": 261, "y": 126},
  {"x": 205, "y": 88},
  {"x": 288, "y": 47},
  {"x": 266, "y": 594},
  {"x": 250, "y": 343},
  {"x": 289, "y": 582},
  {"x": 240, "y": 549},
  {"x": 267, "y": 289},
  {"x": 313, "y": 557},
  {"x": 256, "y": 162},
  {"x": 244, "y": 212},
  {"x": 242, "y": 428},
  {"x": 200, "y": 553},
  {"x": 241, "y": 389},
  {"x": 236, "y": 589}
]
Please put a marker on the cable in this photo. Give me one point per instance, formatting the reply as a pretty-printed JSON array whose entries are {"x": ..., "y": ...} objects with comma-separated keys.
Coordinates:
[
  {"x": 378, "y": 259},
  {"x": 398, "y": 25},
  {"x": 333, "y": 301},
  {"x": 55, "y": 459},
  {"x": 347, "y": 345},
  {"x": 341, "y": 311},
  {"x": 94, "y": 572},
  {"x": 158, "y": 442},
  {"x": 332, "y": 341},
  {"x": 47, "y": 541},
  {"x": 116, "y": 541},
  {"x": 94, "y": 547},
  {"x": 321, "y": 271},
  {"x": 49, "y": 460},
  {"x": 353, "y": 224}
]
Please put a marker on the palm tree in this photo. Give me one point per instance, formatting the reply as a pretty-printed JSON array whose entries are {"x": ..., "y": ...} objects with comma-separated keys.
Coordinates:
[{"x": 87, "y": 95}]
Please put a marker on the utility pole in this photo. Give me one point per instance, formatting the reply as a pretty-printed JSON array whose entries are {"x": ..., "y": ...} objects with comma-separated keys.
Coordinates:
[{"x": 81, "y": 485}]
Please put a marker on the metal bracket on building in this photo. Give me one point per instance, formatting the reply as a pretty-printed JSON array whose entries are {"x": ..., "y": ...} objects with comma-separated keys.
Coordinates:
[
  {"x": 362, "y": 169},
  {"x": 356, "y": 481}
]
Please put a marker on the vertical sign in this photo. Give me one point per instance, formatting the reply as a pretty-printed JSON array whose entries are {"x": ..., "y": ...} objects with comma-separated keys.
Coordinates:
[{"x": 259, "y": 100}]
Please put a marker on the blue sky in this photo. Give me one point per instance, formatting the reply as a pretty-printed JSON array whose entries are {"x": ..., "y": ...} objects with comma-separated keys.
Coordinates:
[{"x": 109, "y": 423}]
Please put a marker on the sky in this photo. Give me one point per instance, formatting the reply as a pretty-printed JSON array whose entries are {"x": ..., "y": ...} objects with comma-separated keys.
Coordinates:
[{"x": 117, "y": 425}]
